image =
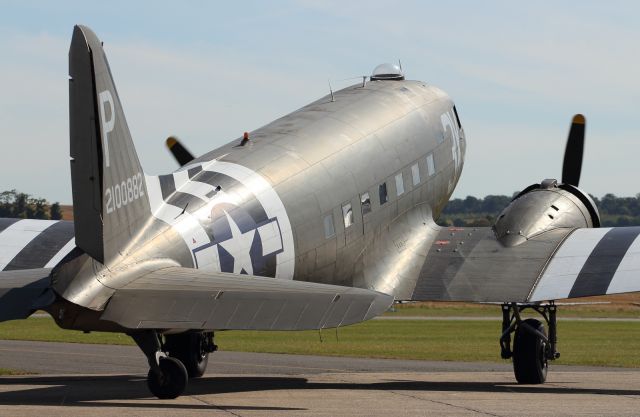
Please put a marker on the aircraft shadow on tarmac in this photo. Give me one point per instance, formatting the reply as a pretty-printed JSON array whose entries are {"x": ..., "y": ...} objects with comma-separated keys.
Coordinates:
[{"x": 91, "y": 390}]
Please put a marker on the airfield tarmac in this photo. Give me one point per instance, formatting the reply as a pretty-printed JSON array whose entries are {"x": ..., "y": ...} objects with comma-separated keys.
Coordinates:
[{"x": 100, "y": 380}]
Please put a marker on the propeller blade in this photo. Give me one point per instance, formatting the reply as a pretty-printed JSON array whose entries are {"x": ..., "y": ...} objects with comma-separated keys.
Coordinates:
[
  {"x": 572, "y": 164},
  {"x": 182, "y": 155}
]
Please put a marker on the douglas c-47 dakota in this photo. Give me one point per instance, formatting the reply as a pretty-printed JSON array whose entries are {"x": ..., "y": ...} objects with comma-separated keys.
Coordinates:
[{"x": 319, "y": 219}]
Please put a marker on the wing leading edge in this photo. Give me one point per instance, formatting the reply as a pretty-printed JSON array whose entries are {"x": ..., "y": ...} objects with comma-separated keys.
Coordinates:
[{"x": 469, "y": 264}]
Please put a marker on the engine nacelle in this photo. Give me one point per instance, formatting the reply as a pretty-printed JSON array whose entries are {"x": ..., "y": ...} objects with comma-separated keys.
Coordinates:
[{"x": 543, "y": 207}]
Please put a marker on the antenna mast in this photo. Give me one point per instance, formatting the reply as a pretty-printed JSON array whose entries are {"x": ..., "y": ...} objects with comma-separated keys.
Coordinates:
[{"x": 331, "y": 91}]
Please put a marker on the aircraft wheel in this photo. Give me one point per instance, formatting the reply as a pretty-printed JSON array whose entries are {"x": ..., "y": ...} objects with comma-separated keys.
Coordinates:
[
  {"x": 191, "y": 350},
  {"x": 171, "y": 382},
  {"x": 529, "y": 360}
]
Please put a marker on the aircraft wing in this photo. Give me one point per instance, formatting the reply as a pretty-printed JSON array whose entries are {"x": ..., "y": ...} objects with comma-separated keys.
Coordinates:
[
  {"x": 469, "y": 264},
  {"x": 184, "y": 298}
]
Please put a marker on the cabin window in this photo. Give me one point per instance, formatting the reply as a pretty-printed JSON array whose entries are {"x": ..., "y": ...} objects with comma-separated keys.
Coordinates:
[
  {"x": 347, "y": 214},
  {"x": 399, "y": 184},
  {"x": 431, "y": 167},
  {"x": 365, "y": 201},
  {"x": 415, "y": 174},
  {"x": 382, "y": 192},
  {"x": 329, "y": 230}
]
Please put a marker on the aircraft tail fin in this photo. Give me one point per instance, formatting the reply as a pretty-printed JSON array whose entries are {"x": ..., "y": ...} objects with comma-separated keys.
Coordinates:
[{"x": 110, "y": 203}]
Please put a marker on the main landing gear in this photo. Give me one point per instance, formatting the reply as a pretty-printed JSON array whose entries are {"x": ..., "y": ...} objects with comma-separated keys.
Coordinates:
[
  {"x": 532, "y": 347},
  {"x": 172, "y": 363}
]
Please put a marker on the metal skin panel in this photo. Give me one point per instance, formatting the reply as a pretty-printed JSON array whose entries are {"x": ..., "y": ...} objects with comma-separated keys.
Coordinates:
[
  {"x": 470, "y": 264},
  {"x": 537, "y": 211},
  {"x": 181, "y": 298}
]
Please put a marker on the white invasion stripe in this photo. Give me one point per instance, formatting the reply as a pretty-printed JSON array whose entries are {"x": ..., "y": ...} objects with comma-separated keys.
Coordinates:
[
  {"x": 180, "y": 178},
  {"x": 61, "y": 253},
  {"x": 15, "y": 237},
  {"x": 154, "y": 193},
  {"x": 627, "y": 276},
  {"x": 562, "y": 271}
]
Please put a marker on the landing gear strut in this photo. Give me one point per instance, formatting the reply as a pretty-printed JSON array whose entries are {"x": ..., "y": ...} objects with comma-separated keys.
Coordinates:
[
  {"x": 192, "y": 349},
  {"x": 172, "y": 363},
  {"x": 532, "y": 348}
]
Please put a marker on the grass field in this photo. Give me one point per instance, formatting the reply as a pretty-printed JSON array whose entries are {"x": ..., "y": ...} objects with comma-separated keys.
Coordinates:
[
  {"x": 4, "y": 371},
  {"x": 612, "y": 306},
  {"x": 581, "y": 343}
]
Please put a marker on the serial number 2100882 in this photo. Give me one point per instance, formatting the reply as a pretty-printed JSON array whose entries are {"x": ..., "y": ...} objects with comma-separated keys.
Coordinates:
[{"x": 128, "y": 191}]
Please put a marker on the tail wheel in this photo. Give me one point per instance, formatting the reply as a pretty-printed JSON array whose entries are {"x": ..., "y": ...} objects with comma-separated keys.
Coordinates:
[
  {"x": 529, "y": 353},
  {"x": 170, "y": 382},
  {"x": 191, "y": 350}
]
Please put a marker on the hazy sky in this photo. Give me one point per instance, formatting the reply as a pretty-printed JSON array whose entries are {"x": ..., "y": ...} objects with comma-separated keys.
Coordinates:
[{"x": 208, "y": 71}]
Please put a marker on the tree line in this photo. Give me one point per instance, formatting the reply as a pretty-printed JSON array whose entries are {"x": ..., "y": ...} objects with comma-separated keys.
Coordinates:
[
  {"x": 24, "y": 206},
  {"x": 472, "y": 211}
]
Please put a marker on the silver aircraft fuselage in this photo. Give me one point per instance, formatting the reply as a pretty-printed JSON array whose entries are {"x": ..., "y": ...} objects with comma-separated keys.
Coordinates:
[{"x": 341, "y": 191}]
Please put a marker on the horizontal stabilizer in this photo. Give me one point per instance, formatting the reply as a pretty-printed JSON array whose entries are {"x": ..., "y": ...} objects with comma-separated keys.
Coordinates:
[
  {"x": 183, "y": 298},
  {"x": 32, "y": 244},
  {"x": 19, "y": 291}
]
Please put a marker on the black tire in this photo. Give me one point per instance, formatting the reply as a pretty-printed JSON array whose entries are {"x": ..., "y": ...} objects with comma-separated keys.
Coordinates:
[
  {"x": 529, "y": 360},
  {"x": 189, "y": 348},
  {"x": 171, "y": 383}
]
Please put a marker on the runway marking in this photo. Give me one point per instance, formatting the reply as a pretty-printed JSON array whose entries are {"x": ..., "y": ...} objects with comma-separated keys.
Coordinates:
[
  {"x": 415, "y": 397},
  {"x": 217, "y": 407}
]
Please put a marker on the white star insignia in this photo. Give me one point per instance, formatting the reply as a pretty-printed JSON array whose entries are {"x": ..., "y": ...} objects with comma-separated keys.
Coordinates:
[{"x": 239, "y": 246}]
